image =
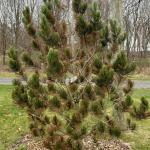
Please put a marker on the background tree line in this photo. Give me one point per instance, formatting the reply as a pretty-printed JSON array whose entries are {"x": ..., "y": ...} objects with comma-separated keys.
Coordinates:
[{"x": 133, "y": 15}]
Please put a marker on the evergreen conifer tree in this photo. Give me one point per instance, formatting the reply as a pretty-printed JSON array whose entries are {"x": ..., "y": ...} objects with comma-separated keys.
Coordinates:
[{"x": 94, "y": 80}]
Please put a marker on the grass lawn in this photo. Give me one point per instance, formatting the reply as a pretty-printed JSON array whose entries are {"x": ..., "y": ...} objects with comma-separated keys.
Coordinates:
[
  {"x": 139, "y": 77},
  {"x": 140, "y": 138},
  {"x": 14, "y": 122},
  {"x": 5, "y": 74}
]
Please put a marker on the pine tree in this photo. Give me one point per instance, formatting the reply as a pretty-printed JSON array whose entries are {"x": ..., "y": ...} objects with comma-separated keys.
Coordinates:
[
  {"x": 14, "y": 63},
  {"x": 94, "y": 80}
]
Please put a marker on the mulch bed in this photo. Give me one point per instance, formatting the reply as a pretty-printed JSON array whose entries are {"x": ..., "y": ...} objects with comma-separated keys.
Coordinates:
[
  {"x": 112, "y": 144},
  {"x": 36, "y": 144}
]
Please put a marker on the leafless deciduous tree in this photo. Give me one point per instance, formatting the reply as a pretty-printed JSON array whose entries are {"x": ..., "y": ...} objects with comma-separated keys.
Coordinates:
[
  {"x": 12, "y": 31},
  {"x": 3, "y": 29},
  {"x": 137, "y": 25}
]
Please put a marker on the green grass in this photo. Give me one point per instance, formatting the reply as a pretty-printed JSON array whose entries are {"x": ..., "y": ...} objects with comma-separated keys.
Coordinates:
[
  {"x": 13, "y": 120},
  {"x": 138, "y": 93},
  {"x": 7, "y": 74},
  {"x": 139, "y": 77},
  {"x": 140, "y": 138}
]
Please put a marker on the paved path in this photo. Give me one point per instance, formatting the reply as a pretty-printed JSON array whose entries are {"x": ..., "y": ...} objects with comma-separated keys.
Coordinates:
[
  {"x": 137, "y": 83},
  {"x": 141, "y": 84},
  {"x": 6, "y": 81}
]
